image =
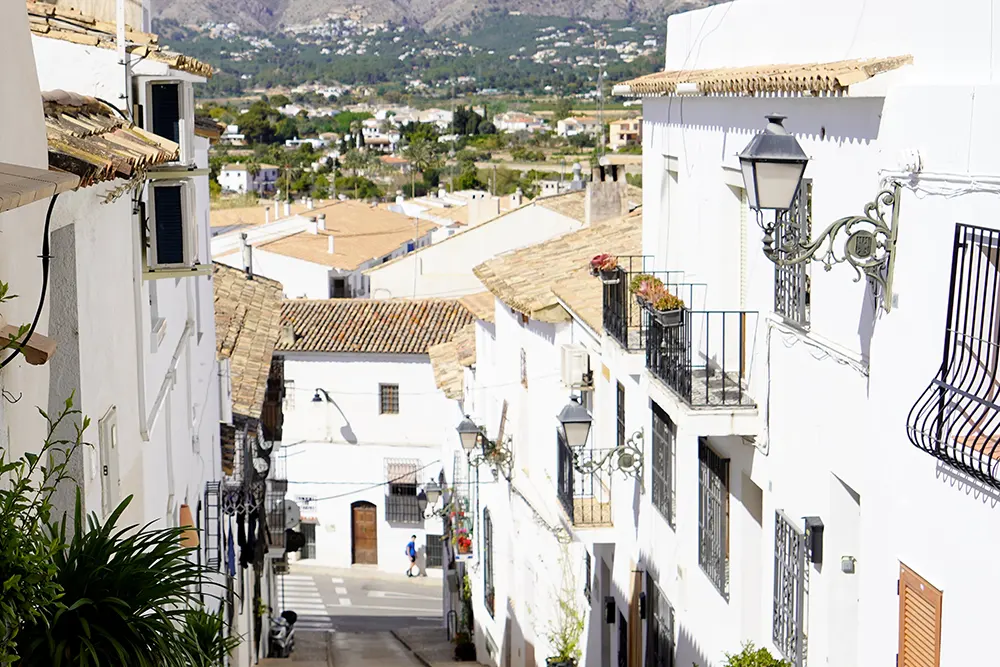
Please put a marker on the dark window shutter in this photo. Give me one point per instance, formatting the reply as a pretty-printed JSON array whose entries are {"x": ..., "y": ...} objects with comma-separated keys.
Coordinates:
[
  {"x": 166, "y": 109},
  {"x": 169, "y": 224}
]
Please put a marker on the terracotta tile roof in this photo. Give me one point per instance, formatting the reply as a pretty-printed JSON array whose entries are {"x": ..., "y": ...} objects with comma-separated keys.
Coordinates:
[
  {"x": 208, "y": 127},
  {"x": 528, "y": 280},
  {"x": 20, "y": 185},
  {"x": 93, "y": 141},
  {"x": 73, "y": 26},
  {"x": 247, "y": 326},
  {"x": 360, "y": 232},
  {"x": 832, "y": 77},
  {"x": 449, "y": 359},
  {"x": 481, "y": 304},
  {"x": 390, "y": 326}
]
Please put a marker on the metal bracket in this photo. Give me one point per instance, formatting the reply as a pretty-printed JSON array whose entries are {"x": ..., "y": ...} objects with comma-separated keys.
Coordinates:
[
  {"x": 869, "y": 248},
  {"x": 498, "y": 455},
  {"x": 626, "y": 458},
  {"x": 160, "y": 274}
]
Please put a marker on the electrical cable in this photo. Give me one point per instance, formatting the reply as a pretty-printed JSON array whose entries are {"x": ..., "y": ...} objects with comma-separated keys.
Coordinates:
[
  {"x": 19, "y": 347},
  {"x": 421, "y": 393},
  {"x": 375, "y": 486}
]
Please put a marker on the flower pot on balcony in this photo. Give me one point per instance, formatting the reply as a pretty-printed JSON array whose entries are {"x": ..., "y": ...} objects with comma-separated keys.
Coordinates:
[
  {"x": 669, "y": 318},
  {"x": 560, "y": 662},
  {"x": 610, "y": 277}
]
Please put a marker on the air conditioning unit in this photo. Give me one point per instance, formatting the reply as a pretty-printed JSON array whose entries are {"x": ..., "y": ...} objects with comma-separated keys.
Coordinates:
[
  {"x": 575, "y": 366},
  {"x": 166, "y": 108},
  {"x": 172, "y": 225}
]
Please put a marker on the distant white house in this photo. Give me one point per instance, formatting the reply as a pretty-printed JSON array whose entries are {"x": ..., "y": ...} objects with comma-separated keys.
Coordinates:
[
  {"x": 515, "y": 121},
  {"x": 237, "y": 178},
  {"x": 568, "y": 127},
  {"x": 233, "y": 136},
  {"x": 364, "y": 425},
  {"x": 316, "y": 143}
]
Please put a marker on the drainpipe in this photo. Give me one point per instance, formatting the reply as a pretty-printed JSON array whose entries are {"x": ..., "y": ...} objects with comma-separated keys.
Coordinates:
[{"x": 169, "y": 379}]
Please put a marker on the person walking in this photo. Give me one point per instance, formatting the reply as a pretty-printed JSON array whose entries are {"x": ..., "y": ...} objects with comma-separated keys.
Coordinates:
[{"x": 411, "y": 551}]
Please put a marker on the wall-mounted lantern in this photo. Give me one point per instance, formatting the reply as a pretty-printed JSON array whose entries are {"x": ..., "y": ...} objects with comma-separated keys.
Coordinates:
[
  {"x": 773, "y": 164},
  {"x": 496, "y": 454}
]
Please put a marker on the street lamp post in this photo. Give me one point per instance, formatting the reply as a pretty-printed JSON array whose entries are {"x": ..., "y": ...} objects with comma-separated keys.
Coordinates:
[
  {"x": 575, "y": 423},
  {"x": 496, "y": 454}
]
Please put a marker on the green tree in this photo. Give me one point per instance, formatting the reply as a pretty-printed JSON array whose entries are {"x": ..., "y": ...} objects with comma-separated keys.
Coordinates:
[
  {"x": 278, "y": 101},
  {"x": 286, "y": 129},
  {"x": 563, "y": 109},
  {"x": 486, "y": 127}
]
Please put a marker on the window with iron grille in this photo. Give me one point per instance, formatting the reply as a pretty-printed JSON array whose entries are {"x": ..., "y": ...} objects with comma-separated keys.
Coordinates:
[
  {"x": 308, "y": 549},
  {"x": 620, "y": 406},
  {"x": 434, "y": 552},
  {"x": 713, "y": 516},
  {"x": 488, "y": 592},
  {"x": 790, "y": 572},
  {"x": 588, "y": 574},
  {"x": 524, "y": 368},
  {"x": 401, "y": 491},
  {"x": 388, "y": 399},
  {"x": 792, "y": 283},
  {"x": 664, "y": 436},
  {"x": 659, "y": 627}
]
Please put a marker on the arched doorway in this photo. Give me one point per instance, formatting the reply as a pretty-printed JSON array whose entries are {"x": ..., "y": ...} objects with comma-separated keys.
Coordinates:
[{"x": 364, "y": 533}]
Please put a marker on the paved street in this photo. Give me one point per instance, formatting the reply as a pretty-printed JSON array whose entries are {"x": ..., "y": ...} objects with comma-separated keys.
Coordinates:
[{"x": 346, "y": 615}]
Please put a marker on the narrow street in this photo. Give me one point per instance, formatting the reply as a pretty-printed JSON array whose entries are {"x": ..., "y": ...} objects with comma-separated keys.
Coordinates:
[{"x": 346, "y": 616}]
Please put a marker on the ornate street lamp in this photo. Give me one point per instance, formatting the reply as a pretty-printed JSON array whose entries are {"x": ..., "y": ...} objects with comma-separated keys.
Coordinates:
[
  {"x": 773, "y": 164},
  {"x": 428, "y": 497},
  {"x": 497, "y": 454},
  {"x": 575, "y": 422}
]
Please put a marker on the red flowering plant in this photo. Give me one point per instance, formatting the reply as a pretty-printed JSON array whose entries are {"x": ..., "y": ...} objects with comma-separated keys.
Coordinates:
[{"x": 603, "y": 263}]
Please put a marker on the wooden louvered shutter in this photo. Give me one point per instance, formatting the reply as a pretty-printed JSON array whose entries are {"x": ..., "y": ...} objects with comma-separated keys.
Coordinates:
[
  {"x": 919, "y": 621},
  {"x": 169, "y": 221}
]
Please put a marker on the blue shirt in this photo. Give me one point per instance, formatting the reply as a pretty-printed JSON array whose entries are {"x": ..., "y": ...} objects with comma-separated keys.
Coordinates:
[{"x": 411, "y": 549}]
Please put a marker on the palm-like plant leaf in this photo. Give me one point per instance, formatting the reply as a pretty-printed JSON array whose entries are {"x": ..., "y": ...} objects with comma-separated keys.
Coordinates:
[{"x": 127, "y": 593}]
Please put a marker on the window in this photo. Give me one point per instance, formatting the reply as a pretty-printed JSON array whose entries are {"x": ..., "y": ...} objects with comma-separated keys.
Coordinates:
[
  {"x": 388, "y": 399},
  {"x": 588, "y": 575},
  {"x": 791, "y": 283},
  {"x": 659, "y": 627},
  {"x": 338, "y": 288},
  {"x": 713, "y": 516},
  {"x": 957, "y": 418},
  {"x": 433, "y": 551},
  {"x": 308, "y": 549},
  {"x": 289, "y": 395},
  {"x": 664, "y": 437},
  {"x": 524, "y": 368},
  {"x": 790, "y": 572},
  {"x": 488, "y": 592},
  {"x": 172, "y": 242},
  {"x": 620, "y": 403},
  {"x": 165, "y": 103},
  {"x": 401, "y": 491},
  {"x": 919, "y": 621}
]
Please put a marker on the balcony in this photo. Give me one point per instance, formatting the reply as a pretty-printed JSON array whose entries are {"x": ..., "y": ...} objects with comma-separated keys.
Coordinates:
[
  {"x": 586, "y": 496},
  {"x": 704, "y": 360},
  {"x": 623, "y": 318}
]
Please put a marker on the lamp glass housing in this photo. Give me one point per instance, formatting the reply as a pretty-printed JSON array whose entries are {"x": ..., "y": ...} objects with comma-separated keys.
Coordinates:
[
  {"x": 575, "y": 422},
  {"x": 433, "y": 492},
  {"x": 468, "y": 433},
  {"x": 422, "y": 500},
  {"x": 773, "y": 164}
]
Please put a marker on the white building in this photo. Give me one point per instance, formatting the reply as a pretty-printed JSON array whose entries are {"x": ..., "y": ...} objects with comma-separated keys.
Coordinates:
[
  {"x": 315, "y": 142},
  {"x": 237, "y": 177},
  {"x": 568, "y": 127},
  {"x": 445, "y": 268},
  {"x": 233, "y": 136},
  {"x": 323, "y": 252},
  {"x": 364, "y": 425},
  {"x": 541, "y": 345},
  {"x": 516, "y": 121}
]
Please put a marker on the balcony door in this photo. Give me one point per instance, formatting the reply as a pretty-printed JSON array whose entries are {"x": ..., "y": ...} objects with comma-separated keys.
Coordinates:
[{"x": 364, "y": 533}]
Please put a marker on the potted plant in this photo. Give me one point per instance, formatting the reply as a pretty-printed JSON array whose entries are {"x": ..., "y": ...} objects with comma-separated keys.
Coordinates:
[
  {"x": 667, "y": 309},
  {"x": 643, "y": 286},
  {"x": 566, "y": 627},
  {"x": 605, "y": 266}
]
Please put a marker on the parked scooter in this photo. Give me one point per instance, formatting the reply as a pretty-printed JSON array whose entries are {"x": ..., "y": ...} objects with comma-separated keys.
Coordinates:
[{"x": 282, "y": 635}]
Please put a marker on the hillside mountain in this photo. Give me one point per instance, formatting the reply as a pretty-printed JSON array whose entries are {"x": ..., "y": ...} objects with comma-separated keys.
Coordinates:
[{"x": 427, "y": 14}]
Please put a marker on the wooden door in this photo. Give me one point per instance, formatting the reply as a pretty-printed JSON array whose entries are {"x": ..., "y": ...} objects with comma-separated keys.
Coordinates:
[
  {"x": 919, "y": 621},
  {"x": 364, "y": 534}
]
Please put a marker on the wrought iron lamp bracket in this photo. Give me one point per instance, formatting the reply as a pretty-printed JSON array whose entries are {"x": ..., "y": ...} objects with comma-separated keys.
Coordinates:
[
  {"x": 869, "y": 247},
  {"x": 626, "y": 458},
  {"x": 500, "y": 456}
]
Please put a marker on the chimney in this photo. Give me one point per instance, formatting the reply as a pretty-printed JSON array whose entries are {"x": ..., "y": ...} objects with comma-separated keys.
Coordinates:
[
  {"x": 441, "y": 193},
  {"x": 267, "y": 215},
  {"x": 276, "y": 213},
  {"x": 400, "y": 199},
  {"x": 329, "y": 244},
  {"x": 322, "y": 221},
  {"x": 247, "y": 256},
  {"x": 517, "y": 198},
  {"x": 309, "y": 203},
  {"x": 288, "y": 208},
  {"x": 606, "y": 195},
  {"x": 287, "y": 338},
  {"x": 313, "y": 225}
]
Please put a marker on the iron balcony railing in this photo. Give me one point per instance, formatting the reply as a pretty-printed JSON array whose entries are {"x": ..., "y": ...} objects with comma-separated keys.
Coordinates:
[
  {"x": 586, "y": 496},
  {"x": 705, "y": 359},
  {"x": 623, "y": 318}
]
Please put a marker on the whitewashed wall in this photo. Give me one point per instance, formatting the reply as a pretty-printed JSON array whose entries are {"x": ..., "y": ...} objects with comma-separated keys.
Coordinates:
[
  {"x": 445, "y": 269},
  {"x": 299, "y": 279}
]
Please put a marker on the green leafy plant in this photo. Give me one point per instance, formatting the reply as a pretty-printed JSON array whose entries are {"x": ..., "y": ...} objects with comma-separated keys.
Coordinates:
[
  {"x": 751, "y": 656},
  {"x": 29, "y": 589},
  {"x": 667, "y": 301},
  {"x": 207, "y": 633},
  {"x": 642, "y": 283},
  {"x": 126, "y": 596},
  {"x": 566, "y": 627}
]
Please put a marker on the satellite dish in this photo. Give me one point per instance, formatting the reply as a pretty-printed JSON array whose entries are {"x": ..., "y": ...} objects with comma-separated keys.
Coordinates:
[{"x": 292, "y": 514}]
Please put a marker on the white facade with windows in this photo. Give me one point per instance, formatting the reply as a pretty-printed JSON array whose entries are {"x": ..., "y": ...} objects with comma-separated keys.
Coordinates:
[{"x": 237, "y": 178}]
